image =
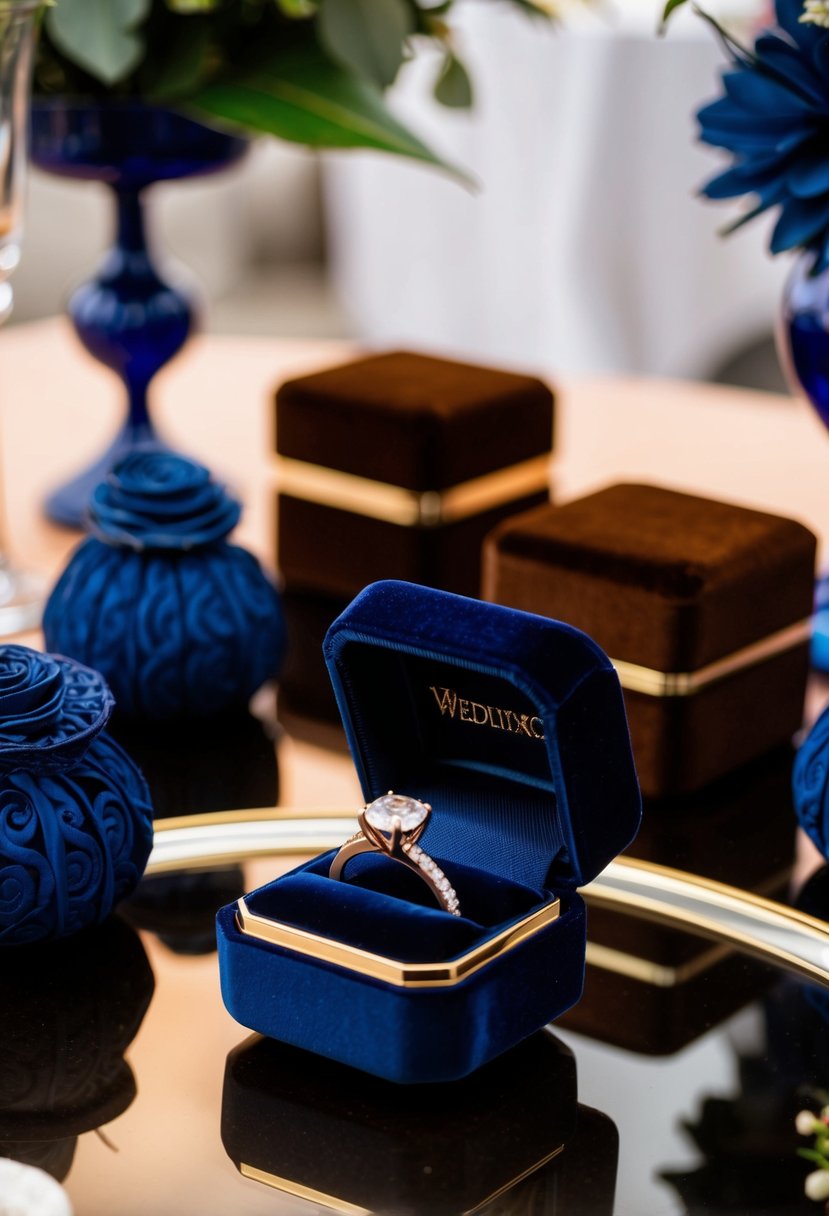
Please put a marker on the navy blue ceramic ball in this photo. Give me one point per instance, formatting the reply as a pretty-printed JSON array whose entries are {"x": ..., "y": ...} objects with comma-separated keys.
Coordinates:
[
  {"x": 810, "y": 783},
  {"x": 75, "y": 812},
  {"x": 180, "y": 622}
]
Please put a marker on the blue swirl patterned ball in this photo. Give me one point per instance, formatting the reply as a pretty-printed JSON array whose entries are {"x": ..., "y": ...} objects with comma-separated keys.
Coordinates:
[
  {"x": 810, "y": 784},
  {"x": 75, "y": 812},
  {"x": 180, "y": 622}
]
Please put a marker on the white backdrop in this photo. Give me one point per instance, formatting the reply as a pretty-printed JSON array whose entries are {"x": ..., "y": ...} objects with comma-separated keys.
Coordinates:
[{"x": 586, "y": 248}]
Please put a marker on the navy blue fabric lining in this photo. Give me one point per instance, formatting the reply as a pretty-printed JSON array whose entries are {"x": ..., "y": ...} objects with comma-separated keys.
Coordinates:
[
  {"x": 384, "y": 908},
  {"x": 511, "y": 724}
]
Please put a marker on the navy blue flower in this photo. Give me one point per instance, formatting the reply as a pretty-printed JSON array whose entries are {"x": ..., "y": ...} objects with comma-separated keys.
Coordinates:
[
  {"x": 774, "y": 119},
  {"x": 51, "y": 708},
  {"x": 155, "y": 499}
]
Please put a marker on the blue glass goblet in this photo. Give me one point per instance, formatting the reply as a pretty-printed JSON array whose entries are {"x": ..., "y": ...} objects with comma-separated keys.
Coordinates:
[{"x": 127, "y": 315}]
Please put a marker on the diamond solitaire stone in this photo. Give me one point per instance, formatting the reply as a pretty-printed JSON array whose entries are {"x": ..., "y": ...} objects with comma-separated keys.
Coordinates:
[{"x": 382, "y": 813}]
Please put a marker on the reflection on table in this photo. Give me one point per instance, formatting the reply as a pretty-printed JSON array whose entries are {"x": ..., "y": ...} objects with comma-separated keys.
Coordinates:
[{"x": 168, "y": 1138}]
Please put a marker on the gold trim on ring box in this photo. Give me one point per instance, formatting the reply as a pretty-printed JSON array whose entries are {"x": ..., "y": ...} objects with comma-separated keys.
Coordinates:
[
  {"x": 751, "y": 923},
  {"x": 390, "y": 970},
  {"x": 302, "y": 1192},
  {"x": 411, "y": 508},
  {"x": 352, "y": 1209},
  {"x": 634, "y": 678}
]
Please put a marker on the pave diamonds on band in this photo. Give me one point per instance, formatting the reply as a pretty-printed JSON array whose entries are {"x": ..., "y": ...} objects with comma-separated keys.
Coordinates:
[
  {"x": 392, "y": 825},
  {"x": 431, "y": 868}
]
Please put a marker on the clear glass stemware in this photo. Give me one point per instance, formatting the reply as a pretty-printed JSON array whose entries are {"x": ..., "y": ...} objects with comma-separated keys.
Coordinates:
[{"x": 21, "y": 593}]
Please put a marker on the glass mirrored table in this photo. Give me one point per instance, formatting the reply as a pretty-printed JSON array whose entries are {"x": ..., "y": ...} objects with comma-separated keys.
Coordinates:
[
  {"x": 672, "y": 1088},
  {"x": 124, "y": 1077}
]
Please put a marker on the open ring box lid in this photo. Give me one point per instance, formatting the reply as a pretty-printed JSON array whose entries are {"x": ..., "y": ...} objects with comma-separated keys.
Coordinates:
[{"x": 513, "y": 727}]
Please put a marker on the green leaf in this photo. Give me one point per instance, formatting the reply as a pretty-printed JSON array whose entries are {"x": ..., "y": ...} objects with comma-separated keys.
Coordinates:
[
  {"x": 192, "y": 6},
  {"x": 99, "y": 35},
  {"x": 309, "y": 100},
  {"x": 453, "y": 86},
  {"x": 670, "y": 7},
  {"x": 366, "y": 36},
  {"x": 297, "y": 8},
  {"x": 811, "y": 1154},
  {"x": 180, "y": 64}
]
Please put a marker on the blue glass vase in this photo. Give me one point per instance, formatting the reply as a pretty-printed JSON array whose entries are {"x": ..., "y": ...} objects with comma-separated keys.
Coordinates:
[
  {"x": 803, "y": 346},
  {"x": 127, "y": 315}
]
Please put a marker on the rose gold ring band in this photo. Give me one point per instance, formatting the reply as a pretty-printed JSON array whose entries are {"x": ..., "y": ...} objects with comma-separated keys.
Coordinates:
[{"x": 398, "y": 844}]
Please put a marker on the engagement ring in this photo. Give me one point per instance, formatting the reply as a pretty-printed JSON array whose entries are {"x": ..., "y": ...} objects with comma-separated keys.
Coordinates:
[{"x": 392, "y": 825}]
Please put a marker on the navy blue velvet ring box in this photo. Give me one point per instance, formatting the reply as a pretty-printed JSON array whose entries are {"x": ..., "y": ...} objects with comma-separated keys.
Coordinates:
[{"x": 513, "y": 727}]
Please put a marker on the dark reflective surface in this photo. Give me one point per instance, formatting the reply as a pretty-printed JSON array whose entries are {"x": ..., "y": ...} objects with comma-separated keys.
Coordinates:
[
  {"x": 217, "y": 764},
  {"x": 68, "y": 1013},
  {"x": 707, "y": 1126},
  {"x": 302, "y": 1126}
]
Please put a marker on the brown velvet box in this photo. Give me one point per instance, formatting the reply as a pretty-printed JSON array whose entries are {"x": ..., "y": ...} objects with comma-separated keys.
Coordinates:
[
  {"x": 703, "y": 607},
  {"x": 654, "y": 989},
  {"x": 396, "y": 466},
  {"x": 413, "y": 431}
]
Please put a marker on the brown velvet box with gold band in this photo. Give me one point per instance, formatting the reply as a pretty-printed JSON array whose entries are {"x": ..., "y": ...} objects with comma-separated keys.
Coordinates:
[
  {"x": 510, "y": 1138},
  {"x": 702, "y": 606},
  {"x": 396, "y": 466},
  {"x": 653, "y": 989}
]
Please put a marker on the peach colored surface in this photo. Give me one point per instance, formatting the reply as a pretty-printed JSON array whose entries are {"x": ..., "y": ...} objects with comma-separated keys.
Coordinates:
[{"x": 58, "y": 407}]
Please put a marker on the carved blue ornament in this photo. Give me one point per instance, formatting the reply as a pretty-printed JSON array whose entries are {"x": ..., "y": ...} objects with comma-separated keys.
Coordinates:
[
  {"x": 180, "y": 622},
  {"x": 75, "y": 812},
  {"x": 810, "y": 783}
]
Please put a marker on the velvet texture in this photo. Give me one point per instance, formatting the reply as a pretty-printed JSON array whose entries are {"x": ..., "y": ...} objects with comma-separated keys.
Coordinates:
[
  {"x": 362, "y": 1141},
  {"x": 672, "y": 582},
  {"x": 182, "y": 623},
  {"x": 327, "y": 551},
  {"x": 520, "y": 815},
  {"x": 424, "y": 424},
  {"x": 68, "y": 1013},
  {"x": 75, "y": 812},
  {"x": 543, "y": 811},
  {"x": 410, "y": 1036}
]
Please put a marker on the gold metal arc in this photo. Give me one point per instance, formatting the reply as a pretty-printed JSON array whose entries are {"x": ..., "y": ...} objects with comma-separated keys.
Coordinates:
[{"x": 769, "y": 930}]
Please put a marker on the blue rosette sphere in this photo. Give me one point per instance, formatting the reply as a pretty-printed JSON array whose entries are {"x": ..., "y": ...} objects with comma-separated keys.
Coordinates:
[
  {"x": 810, "y": 784},
  {"x": 180, "y": 622},
  {"x": 75, "y": 812}
]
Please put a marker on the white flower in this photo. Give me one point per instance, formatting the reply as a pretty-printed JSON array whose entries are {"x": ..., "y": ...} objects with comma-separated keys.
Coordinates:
[
  {"x": 816, "y": 12},
  {"x": 805, "y": 1122},
  {"x": 816, "y": 1185}
]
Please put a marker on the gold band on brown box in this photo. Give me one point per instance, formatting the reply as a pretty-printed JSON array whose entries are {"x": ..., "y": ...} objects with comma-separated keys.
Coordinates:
[
  {"x": 693, "y": 596},
  {"x": 411, "y": 508},
  {"x": 635, "y": 678}
]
